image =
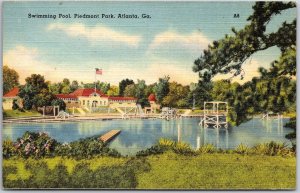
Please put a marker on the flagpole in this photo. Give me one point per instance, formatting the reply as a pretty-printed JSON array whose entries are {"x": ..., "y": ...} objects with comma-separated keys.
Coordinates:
[{"x": 95, "y": 78}]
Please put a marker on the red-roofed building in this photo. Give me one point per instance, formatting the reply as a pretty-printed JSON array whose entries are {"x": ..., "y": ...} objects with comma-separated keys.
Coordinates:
[
  {"x": 87, "y": 97},
  {"x": 86, "y": 92},
  {"x": 153, "y": 105},
  {"x": 9, "y": 97},
  {"x": 152, "y": 98}
]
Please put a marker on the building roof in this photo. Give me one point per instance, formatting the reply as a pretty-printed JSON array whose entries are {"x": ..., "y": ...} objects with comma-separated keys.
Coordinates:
[
  {"x": 63, "y": 96},
  {"x": 152, "y": 97},
  {"x": 121, "y": 98},
  {"x": 12, "y": 93},
  {"x": 86, "y": 92}
]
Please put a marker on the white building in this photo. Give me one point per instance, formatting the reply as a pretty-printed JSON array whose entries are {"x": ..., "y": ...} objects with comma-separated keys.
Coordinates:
[
  {"x": 9, "y": 97},
  {"x": 87, "y": 97}
]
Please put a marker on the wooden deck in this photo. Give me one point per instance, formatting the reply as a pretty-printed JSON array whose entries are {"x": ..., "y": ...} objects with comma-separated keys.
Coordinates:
[{"x": 109, "y": 135}]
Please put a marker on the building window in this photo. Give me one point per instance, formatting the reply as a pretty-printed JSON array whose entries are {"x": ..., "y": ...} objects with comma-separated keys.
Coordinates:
[
  {"x": 83, "y": 102},
  {"x": 104, "y": 102},
  {"x": 88, "y": 103},
  {"x": 100, "y": 102}
]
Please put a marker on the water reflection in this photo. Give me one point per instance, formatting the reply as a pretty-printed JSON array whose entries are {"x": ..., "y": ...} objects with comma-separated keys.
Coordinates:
[
  {"x": 218, "y": 137},
  {"x": 140, "y": 134}
]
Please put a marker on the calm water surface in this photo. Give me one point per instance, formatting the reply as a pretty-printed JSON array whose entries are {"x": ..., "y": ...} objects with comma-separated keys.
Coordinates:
[{"x": 140, "y": 134}]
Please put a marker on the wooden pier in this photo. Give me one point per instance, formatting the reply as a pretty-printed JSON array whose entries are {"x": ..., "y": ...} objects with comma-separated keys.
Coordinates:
[{"x": 109, "y": 135}]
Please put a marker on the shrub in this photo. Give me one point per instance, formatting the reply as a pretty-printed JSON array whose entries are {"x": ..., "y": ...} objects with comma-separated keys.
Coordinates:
[
  {"x": 81, "y": 176},
  {"x": 154, "y": 150},
  {"x": 38, "y": 145},
  {"x": 207, "y": 148},
  {"x": 138, "y": 165},
  {"x": 272, "y": 149},
  {"x": 104, "y": 177},
  {"x": 9, "y": 149},
  {"x": 167, "y": 143},
  {"x": 6, "y": 170},
  {"x": 85, "y": 148},
  {"x": 183, "y": 148},
  {"x": 242, "y": 149},
  {"x": 114, "y": 177},
  {"x": 35, "y": 144}
]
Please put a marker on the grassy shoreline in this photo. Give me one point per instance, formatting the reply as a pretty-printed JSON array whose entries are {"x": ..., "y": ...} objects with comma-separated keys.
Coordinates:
[
  {"x": 20, "y": 114},
  {"x": 38, "y": 161},
  {"x": 163, "y": 171}
]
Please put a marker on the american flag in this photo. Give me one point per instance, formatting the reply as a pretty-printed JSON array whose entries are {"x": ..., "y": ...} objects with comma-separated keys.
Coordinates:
[{"x": 98, "y": 71}]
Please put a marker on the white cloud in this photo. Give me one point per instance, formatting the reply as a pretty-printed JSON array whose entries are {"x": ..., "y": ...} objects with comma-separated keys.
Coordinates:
[
  {"x": 27, "y": 61},
  {"x": 181, "y": 73},
  {"x": 178, "y": 72},
  {"x": 96, "y": 34},
  {"x": 194, "y": 41}
]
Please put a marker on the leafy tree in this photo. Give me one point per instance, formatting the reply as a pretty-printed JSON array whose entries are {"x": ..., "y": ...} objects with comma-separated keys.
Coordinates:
[
  {"x": 201, "y": 93},
  {"x": 228, "y": 54},
  {"x": 74, "y": 86},
  {"x": 43, "y": 98},
  {"x": 60, "y": 103},
  {"x": 55, "y": 88},
  {"x": 104, "y": 86},
  {"x": 35, "y": 92},
  {"x": 130, "y": 90},
  {"x": 66, "y": 82},
  {"x": 113, "y": 91},
  {"x": 138, "y": 91},
  {"x": 89, "y": 85},
  {"x": 176, "y": 96},
  {"x": 123, "y": 84},
  {"x": 150, "y": 89},
  {"x": 10, "y": 79},
  {"x": 66, "y": 89},
  {"x": 140, "y": 88},
  {"x": 162, "y": 88}
]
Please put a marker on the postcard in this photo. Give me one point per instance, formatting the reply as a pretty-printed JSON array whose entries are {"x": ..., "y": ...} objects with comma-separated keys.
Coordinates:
[{"x": 149, "y": 95}]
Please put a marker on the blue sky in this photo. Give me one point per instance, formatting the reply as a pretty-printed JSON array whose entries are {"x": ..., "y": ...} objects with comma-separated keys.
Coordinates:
[{"x": 166, "y": 44}]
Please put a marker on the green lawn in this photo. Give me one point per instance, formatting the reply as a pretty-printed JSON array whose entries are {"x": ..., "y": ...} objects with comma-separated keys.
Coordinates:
[
  {"x": 167, "y": 170},
  {"x": 17, "y": 113},
  {"x": 219, "y": 171}
]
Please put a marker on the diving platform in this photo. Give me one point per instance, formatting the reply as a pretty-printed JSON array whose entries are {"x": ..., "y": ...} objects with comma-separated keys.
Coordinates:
[
  {"x": 215, "y": 114},
  {"x": 109, "y": 135}
]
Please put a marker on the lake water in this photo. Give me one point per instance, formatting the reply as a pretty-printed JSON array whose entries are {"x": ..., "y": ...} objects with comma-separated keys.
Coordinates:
[{"x": 138, "y": 134}]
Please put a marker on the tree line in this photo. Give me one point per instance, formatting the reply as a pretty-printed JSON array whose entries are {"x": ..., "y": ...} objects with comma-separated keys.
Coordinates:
[
  {"x": 262, "y": 94},
  {"x": 37, "y": 92}
]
